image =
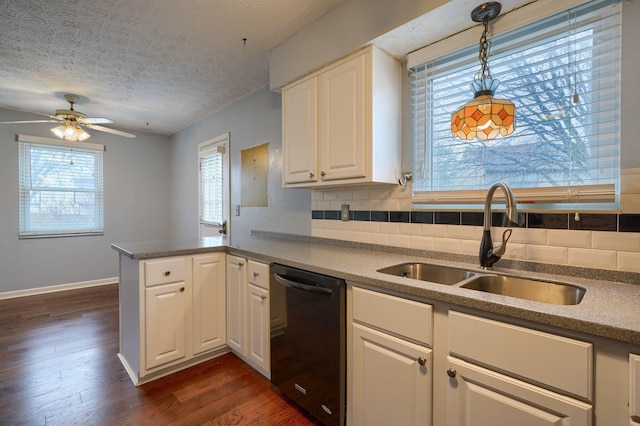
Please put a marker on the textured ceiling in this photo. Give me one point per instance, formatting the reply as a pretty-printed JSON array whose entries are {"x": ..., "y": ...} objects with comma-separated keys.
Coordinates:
[{"x": 157, "y": 65}]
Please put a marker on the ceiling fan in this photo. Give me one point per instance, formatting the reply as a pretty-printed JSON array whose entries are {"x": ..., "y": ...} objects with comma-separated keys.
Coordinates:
[{"x": 72, "y": 121}]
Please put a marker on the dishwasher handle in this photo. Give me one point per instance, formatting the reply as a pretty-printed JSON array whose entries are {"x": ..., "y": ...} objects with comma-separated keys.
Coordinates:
[{"x": 300, "y": 286}]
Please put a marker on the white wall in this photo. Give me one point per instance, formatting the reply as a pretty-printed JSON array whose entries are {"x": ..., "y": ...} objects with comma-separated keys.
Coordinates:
[
  {"x": 136, "y": 178},
  {"x": 251, "y": 121}
]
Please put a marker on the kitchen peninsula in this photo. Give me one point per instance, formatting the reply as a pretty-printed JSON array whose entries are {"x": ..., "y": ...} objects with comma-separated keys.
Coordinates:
[{"x": 602, "y": 328}]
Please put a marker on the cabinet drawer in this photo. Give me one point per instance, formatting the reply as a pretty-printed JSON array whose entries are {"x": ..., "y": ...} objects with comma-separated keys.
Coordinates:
[
  {"x": 259, "y": 274},
  {"x": 556, "y": 361},
  {"x": 634, "y": 385},
  {"x": 402, "y": 317},
  {"x": 164, "y": 271}
]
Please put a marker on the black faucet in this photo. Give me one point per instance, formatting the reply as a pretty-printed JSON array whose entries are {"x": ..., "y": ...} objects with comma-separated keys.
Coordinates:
[{"x": 489, "y": 255}]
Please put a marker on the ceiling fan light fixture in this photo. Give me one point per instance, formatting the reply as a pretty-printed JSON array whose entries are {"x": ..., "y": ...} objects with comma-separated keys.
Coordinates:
[{"x": 71, "y": 132}]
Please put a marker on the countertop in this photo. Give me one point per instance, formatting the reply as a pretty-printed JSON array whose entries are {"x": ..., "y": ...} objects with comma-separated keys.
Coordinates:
[{"x": 609, "y": 308}]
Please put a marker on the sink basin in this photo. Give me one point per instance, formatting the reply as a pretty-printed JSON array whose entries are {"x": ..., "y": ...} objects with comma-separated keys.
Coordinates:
[
  {"x": 538, "y": 291},
  {"x": 426, "y": 272}
]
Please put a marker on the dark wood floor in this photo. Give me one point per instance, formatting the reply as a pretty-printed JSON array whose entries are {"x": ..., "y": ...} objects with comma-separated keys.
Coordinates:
[{"x": 58, "y": 366}]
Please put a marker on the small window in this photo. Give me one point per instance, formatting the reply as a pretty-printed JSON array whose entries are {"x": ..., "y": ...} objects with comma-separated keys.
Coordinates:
[
  {"x": 212, "y": 185},
  {"x": 60, "y": 188},
  {"x": 563, "y": 74}
]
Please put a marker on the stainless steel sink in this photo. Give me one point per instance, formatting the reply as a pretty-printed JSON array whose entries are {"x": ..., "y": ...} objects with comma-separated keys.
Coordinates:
[
  {"x": 538, "y": 291},
  {"x": 425, "y": 272}
]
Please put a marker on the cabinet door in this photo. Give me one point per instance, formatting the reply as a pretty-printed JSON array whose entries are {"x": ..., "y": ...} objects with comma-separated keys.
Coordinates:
[
  {"x": 166, "y": 307},
  {"x": 208, "y": 302},
  {"x": 342, "y": 120},
  {"x": 258, "y": 327},
  {"x": 391, "y": 386},
  {"x": 480, "y": 397},
  {"x": 300, "y": 132},
  {"x": 236, "y": 302}
]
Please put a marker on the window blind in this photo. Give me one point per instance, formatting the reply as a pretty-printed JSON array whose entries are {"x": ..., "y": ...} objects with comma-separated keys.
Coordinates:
[
  {"x": 212, "y": 185},
  {"x": 60, "y": 188},
  {"x": 563, "y": 74}
]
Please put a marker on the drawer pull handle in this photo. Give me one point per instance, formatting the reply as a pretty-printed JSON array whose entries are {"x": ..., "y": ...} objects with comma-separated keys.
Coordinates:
[
  {"x": 451, "y": 372},
  {"x": 422, "y": 360},
  {"x": 255, "y": 274},
  {"x": 181, "y": 289},
  {"x": 167, "y": 273}
]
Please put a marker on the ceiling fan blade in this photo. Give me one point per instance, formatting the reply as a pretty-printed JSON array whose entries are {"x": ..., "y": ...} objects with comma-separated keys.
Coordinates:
[
  {"x": 108, "y": 130},
  {"x": 94, "y": 120},
  {"x": 30, "y": 121},
  {"x": 30, "y": 112}
]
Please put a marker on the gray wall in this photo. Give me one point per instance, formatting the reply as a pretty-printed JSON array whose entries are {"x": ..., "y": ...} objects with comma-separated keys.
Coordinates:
[
  {"x": 251, "y": 121},
  {"x": 339, "y": 32},
  {"x": 136, "y": 182}
]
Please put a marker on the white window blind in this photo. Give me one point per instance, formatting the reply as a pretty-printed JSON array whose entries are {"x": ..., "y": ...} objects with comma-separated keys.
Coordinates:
[
  {"x": 563, "y": 74},
  {"x": 212, "y": 184},
  {"x": 60, "y": 187}
]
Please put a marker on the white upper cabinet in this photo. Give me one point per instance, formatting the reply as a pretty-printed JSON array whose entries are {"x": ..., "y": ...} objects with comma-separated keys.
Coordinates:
[{"x": 341, "y": 125}]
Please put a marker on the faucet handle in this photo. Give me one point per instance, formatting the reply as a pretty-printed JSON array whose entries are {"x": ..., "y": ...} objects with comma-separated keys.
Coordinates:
[{"x": 502, "y": 247}]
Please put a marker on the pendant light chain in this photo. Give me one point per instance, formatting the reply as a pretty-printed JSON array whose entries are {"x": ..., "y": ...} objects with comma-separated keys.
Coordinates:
[{"x": 484, "y": 52}]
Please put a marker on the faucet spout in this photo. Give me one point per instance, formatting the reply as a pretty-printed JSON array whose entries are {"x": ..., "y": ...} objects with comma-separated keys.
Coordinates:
[{"x": 488, "y": 254}]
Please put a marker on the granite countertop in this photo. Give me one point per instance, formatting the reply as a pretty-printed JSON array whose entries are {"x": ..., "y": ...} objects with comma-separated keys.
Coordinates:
[{"x": 609, "y": 308}]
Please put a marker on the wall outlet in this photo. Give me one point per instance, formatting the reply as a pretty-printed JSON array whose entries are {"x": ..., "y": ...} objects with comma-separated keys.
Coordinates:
[{"x": 344, "y": 213}]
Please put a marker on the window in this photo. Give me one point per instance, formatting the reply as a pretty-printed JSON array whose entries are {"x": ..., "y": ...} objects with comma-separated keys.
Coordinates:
[
  {"x": 60, "y": 187},
  {"x": 563, "y": 74},
  {"x": 212, "y": 183}
]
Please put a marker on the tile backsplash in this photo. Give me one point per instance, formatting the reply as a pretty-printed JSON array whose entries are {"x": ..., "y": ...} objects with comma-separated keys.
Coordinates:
[{"x": 384, "y": 215}]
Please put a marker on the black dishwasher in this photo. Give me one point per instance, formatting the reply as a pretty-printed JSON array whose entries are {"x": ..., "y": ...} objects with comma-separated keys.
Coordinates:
[{"x": 308, "y": 341}]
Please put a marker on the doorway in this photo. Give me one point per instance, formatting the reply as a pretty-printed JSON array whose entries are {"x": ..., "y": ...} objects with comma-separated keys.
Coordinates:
[{"x": 213, "y": 187}]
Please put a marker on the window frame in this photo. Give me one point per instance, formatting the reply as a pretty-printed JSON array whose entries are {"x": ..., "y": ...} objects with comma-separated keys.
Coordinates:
[
  {"x": 25, "y": 228},
  {"x": 596, "y": 197}
]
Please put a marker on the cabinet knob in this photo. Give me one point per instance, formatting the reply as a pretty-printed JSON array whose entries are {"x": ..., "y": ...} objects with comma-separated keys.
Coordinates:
[
  {"x": 311, "y": 175},
  {"x": 263, "y": 297},
  {"x": 451, "y": 372},
  {"x": 422, "y": 360},
  {"x": 255, "y": 274},
  {"x": 167, "y": 273},
  {"x": 240, "y": 264},
  {"x": 322, "y": 174},
  {"x": 181, "y": 289}
]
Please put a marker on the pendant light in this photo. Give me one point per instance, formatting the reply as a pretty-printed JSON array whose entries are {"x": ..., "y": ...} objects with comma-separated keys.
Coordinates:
[{"x": 484, "y": 117}]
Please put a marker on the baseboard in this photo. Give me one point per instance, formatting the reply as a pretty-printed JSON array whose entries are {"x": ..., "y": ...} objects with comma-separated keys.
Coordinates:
[
  {"x": 54, "y": 288},
  {"x": 137, "y": 381}
]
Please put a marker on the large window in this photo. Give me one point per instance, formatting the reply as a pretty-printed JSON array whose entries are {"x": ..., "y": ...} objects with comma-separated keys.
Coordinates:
[
  {"x": 60, "y": 188},
  {"x": 563, "y": 74}
]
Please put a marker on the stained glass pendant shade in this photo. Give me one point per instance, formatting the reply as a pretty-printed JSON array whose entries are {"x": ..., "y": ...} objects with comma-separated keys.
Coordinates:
[{"x": 485, "y": 116}]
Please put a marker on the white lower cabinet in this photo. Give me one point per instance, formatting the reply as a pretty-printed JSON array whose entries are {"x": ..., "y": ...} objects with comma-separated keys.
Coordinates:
[
  {"x": 510, "y": 375},
  {"x": 391, "y": 379},
  {"x": 172, "y": 313},
  {"x": 248, "y": 323},
  {"x": 481, "y": 397},
  {"x": 166, "y": 329},
  {"x": 258, "y": 328},
  {"x": 389, "y": 360},
  {"x": 236, "y": 303},
  {"x": 208, "y": 303}
]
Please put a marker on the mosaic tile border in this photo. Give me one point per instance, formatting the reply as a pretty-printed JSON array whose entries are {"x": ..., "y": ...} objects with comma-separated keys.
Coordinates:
[{"x": 586, "y": 222}]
